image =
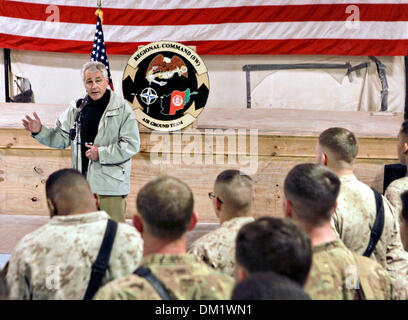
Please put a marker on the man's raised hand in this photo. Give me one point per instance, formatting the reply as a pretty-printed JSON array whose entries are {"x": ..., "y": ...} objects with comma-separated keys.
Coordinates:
[{"x": 32, "y": 125}]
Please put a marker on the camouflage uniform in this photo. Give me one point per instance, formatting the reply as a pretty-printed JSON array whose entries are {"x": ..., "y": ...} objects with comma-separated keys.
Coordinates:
[
  {"x": 217, "y": 248},
  {"x": 335, "y": 272},
  {"x": 394, "y": 191},
  {"x": 54, "y": 261},
  {"x": 352, "y": 222},
  {"x": 184, "y": 276}
]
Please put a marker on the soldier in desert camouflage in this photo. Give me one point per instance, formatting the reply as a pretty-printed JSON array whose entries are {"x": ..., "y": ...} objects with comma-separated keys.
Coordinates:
[
  {"x": 355, "y": 213},
  {"x": 310, "y": 193},
  {"x": 165, "y": 214},
  {"x": 232, "y": 199},
  {"x": 54, "y": 261},
  {"x": 399, "y": 186}
]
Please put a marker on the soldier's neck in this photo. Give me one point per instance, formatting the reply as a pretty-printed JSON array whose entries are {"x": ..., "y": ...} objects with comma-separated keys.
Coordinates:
[
  {"x": 342, "y": 170},
  {"x": 320, "y": 235},
  {"x": 152, "y": 245},
  {"x": 225, "y": 217}
]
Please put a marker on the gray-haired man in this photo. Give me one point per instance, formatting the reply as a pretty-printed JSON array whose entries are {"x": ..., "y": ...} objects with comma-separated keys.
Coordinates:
[{"x": 108, "y": 137}]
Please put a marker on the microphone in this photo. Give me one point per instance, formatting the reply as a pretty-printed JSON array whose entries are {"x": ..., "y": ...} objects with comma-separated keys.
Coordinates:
[{"x": 82, "y": 103}]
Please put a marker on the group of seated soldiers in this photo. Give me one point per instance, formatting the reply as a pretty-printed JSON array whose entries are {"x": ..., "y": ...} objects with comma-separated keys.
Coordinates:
[{"x": 339, "y": 239}]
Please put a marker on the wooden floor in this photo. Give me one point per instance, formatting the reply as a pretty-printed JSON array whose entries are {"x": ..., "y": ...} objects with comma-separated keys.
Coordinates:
[{"x": 222, "y": 140}]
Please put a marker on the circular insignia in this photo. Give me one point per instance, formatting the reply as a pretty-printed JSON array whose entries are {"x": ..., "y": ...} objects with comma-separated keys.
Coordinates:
[{"x": 167, "y": 85}]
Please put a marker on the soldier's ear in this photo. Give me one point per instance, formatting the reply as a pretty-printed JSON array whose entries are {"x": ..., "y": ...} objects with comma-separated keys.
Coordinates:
[
  {"x": 324, "y": 159},
  {"x": 241, "y": 274},
  {"x": 217, "y": 204},
  {"x": 137, "y": 222},
  {"x": 193, "y": 221},
  {"x": 96, "y": 197},
  {"x": 405, "y": 148},
  {"x": 51, "y": 207},
  {"x": 335, "y": 206},
  {"x": 288, "y": 208}
]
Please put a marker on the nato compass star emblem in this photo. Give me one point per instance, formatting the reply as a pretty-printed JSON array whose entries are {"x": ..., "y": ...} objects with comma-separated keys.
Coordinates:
[{"x": 149, "y": 96}]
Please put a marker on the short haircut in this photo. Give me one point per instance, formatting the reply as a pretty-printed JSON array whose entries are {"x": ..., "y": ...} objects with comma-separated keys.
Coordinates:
[
  {"x": 93, "y": 66},
  {"x": 166, "y": 204},
  {"x": 236, "y": 188},
  {"x": 341, "y": 142},
  {"x": 274, "y": 244},
  {"x": 404, "y": 129},
  {"x": 312, "y": 190},
  {"x": 404, "y": 200},
  {"x": 68, "y": 185},
  {"x": 268, "y": 286}
]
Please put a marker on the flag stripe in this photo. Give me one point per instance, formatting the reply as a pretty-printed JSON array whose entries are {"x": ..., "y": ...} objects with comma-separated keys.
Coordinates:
[
  {"x": 231, "y": 31},
  {"x": 283, "y": 47},
  {"x": 192, "y": 4},
  {"x": 137, "y": 17},
  {"x": 232, "y": 25}
]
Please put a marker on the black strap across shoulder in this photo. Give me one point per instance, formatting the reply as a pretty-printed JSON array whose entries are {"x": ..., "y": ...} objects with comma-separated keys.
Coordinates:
[
  {"x": 378, "y": 226},
  {"x": 156, "y": 283},
  {"x": 101, "y": 263}
]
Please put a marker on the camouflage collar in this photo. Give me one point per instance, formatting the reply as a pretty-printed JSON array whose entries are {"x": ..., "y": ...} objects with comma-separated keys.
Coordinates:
[
  {"x": 328, "y": 245},
  {"x": 79, "y": 218},
  {"x": 168, "y": 259},
  {"x": 237, "y": 220},
  {"x": 348, "y": 178}
]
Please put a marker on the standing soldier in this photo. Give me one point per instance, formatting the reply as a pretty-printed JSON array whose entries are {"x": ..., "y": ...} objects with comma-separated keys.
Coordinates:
[
  {"x": 337, "y": 273},
  {"x": 232, "y": 199},
  {"x": 56, "y": 261},
  {"x": 165, "y": 207}
]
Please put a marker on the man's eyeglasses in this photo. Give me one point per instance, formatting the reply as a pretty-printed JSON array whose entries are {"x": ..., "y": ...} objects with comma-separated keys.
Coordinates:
[{"x": 211, "y": 195}]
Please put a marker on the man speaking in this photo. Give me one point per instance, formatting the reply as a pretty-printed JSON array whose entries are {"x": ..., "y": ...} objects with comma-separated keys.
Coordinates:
[{"x": 103, "y": 134}]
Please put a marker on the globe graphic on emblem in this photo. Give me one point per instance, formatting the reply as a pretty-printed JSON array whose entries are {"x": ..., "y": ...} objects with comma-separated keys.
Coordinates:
[{"x": 148, "y": 96}]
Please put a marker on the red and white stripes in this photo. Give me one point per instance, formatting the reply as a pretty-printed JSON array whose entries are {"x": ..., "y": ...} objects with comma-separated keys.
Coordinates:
[{"x": 213, "y": 26}]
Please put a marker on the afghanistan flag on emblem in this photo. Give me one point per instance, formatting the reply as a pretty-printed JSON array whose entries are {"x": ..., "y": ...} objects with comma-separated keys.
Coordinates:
[{"x": 179, "y": 99}]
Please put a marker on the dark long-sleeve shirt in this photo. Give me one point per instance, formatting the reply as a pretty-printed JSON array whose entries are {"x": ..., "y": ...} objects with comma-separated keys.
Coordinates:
[{"x": 90, "y": 117}]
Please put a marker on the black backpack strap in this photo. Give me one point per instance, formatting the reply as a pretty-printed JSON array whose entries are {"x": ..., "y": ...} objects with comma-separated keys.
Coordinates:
[
  {"x": 101, "y": 263},
  {"x": 146, "y": 273},
  {"x": 378, "y": 226}
]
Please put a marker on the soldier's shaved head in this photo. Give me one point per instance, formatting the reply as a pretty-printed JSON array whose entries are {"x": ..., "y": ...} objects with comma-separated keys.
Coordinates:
[
  {"x": 235, "y": 190},
  {"x": 404, "y": 130},
  {"x": 68, "y": 192},
  {"x": 166, "y": 205},
  {"x": 312, "y": 190},
  {"x": 341, "y": 143},
  {"x": 274, "y": 244}
]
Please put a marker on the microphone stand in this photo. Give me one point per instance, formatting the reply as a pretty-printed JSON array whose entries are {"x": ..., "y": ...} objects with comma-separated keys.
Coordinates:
[{"x": 74, "y": 132}]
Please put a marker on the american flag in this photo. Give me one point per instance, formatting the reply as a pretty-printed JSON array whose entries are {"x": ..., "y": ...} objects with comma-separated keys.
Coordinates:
[
  {"x": 214, "y": 27},
  {"x": 99, "y": 49}
]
